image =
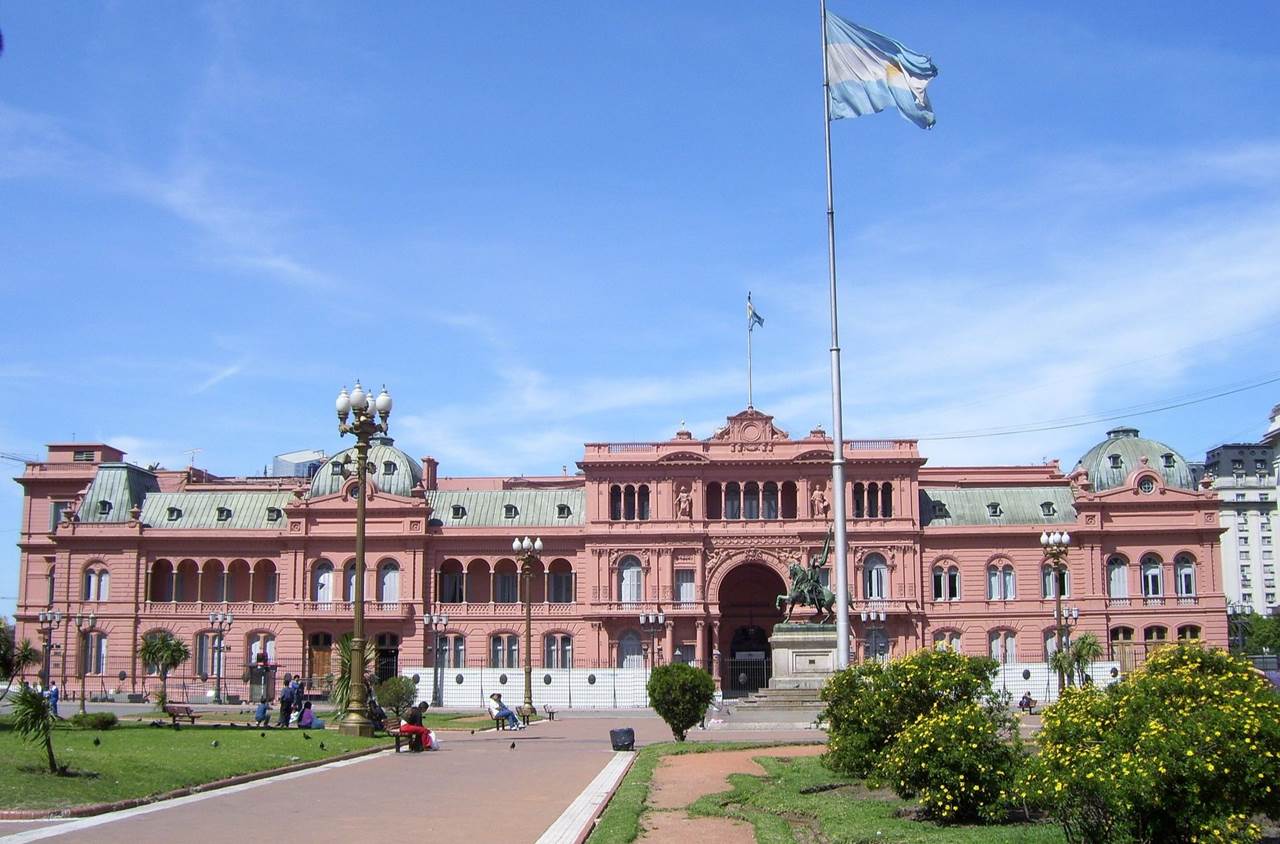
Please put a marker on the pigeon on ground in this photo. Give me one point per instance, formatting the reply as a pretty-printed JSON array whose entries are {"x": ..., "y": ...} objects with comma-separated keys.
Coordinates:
[
  {"x": 262, "y": 735},
  {"x": 216, "y": 726},
  {"x": 96, "y": 741},
  {"x": 213, "y": 743},
  {"x": 513, "y": 745},
  {"x": 306, "y": 737},
  {"x": 473, "y": 732},
  {"x": 322, "y": 745}
]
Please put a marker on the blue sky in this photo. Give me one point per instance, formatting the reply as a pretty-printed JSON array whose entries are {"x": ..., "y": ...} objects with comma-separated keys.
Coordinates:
[{"x": 537, "y": 223}]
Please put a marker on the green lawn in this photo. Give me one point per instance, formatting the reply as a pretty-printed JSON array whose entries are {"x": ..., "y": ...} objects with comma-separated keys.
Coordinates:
[
  {"x": 779, "y": 812},
  {"x": 137, "y": 760}
]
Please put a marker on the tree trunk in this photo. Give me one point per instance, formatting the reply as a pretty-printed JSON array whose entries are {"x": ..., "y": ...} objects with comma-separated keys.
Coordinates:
[{"x": 48, "y": 750}]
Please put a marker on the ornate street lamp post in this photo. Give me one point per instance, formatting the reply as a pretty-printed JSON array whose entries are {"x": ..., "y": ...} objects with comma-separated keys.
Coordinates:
[
  {"x": 221, "y": 623},
  {"x": 1239, "y": 620},
  {"x": 527, "y": 551},
  {"x": 1056, "y": 545},
  {"x": 434, "y": 625},
  {"x": 364, "y": 412},
  {"x": 84, "y": 630},
  {"x": 49, "y": 621},
  {"x": 651, "y": 624}
]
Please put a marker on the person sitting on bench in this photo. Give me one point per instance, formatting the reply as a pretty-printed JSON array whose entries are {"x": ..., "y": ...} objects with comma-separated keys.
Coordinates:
[
  {"x": 1027, "y": 703},
  {"x": 499, "y": 710},
  {"x": 412, "y": 727}
]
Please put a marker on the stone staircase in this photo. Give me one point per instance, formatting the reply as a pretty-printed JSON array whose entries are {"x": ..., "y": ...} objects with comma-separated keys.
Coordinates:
[{"x": 806, "y": 699}]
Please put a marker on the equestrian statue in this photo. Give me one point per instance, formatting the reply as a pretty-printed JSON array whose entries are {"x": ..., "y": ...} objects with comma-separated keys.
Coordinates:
[{"x": 807, "y": 589}]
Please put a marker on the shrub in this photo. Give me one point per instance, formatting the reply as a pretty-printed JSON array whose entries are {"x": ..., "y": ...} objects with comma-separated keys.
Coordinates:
[
  {"x": 960, "y": 761},
  {"x": 870, "y": 703},
  {"x": 396, "y": 695},
  {"x": 95, "y": 720},
  {"x": 680, "y": 694},
  {"x": 1185, "y": 749}
]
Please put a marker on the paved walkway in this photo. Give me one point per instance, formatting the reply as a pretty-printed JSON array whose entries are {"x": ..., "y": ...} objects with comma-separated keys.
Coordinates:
[{"x": 477, "y": 788}]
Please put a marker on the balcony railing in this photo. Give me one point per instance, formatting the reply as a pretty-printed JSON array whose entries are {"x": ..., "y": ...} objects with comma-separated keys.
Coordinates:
[
  {"x": 206, "y": 607},
  {"x": 1188, "y": 600},
  {"x": 1119, "y": 602},
  {"x": 1153, "y": 601},
  {"x": 537, "y": 610},
  {"x": 343, "y": 609}
]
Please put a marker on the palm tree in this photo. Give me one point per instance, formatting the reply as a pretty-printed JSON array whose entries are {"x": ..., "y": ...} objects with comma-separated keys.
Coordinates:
[
  {"x": 166, "y": 652},
  {"x": 33, "y": 720},
  {"x": 16, "y": 661},
  {"x": 1060, "y": 661},
  {"x": 341, "y": 693},
  {"x": 1085, "y": 651}
]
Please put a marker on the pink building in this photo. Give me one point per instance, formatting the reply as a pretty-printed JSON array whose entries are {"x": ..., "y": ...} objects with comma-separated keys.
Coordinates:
[{"x": 701, "y": 530}]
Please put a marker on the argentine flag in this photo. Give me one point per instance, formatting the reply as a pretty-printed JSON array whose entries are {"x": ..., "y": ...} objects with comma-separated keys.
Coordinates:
[
  {"x": 753, "y": 318},
  {"x": 868, "y": 72}
]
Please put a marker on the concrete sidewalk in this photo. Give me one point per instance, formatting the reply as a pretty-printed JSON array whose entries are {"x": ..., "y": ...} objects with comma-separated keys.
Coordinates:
[{"x": 476, "y": 789}]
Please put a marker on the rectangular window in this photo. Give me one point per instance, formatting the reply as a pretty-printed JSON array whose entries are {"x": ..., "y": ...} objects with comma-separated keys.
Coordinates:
[
  {"x": 83, "y": 456},
  {"x": 1244, "y": 555},
  {"x": 562, "y": 587},
  {"x": 56, "y": 509},
  {"x": 1151, "y": 585},
  {"x": 451, "y": 588},
  {"x": 1266, "y": 554},
  {"x": 1243, "y": 539},
  {"x": 684, "y": 586},
  {"x": 1239, "y": 496}
]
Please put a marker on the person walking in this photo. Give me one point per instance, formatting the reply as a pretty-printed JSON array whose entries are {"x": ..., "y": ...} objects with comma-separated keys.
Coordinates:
[{"x": 52, "y": 695}]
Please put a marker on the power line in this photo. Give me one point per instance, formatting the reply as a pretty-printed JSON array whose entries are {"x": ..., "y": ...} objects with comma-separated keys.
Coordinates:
[{"x": 1103, "y": 416}]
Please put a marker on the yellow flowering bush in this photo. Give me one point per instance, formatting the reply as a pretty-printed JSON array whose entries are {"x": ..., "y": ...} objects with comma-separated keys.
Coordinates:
[
  {"x": 869, "y": 704},
  {"x": 1186, "y": 749},
  {"x": 960, "y": 762}
]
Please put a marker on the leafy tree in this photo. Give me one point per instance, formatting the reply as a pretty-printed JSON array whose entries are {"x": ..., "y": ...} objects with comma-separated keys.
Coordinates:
[
  {"x": 1187, "y": 748},
  {"x": 680, "y": 694},
  {"x": 869, "y": 704},
  {"x": 1084, "y": 652},
  {"x": 33, "y": 720},
  {"x": 166, "y": 652},
  {"x": 341, "y": 694},
  {"x": 961, "y": 762},
  {"x": 1264, "y": 634},
  {"x": 396, "y": 695},
  {"x": 15, "y": 658}
]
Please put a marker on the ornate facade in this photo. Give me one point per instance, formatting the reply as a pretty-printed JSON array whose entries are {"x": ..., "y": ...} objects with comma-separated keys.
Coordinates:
[{"x": 701, "y": 530}]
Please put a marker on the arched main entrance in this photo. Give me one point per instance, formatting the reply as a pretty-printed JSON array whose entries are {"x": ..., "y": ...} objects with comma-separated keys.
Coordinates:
[{"x": 747, "y": 616}]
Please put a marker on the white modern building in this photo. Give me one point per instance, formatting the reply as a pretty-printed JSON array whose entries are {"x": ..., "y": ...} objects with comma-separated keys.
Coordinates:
[{"x": 1245, "y": 478}]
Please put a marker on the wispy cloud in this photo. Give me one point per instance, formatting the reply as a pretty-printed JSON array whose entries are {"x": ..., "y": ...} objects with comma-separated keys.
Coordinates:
[{"x": 219, "y": 376}]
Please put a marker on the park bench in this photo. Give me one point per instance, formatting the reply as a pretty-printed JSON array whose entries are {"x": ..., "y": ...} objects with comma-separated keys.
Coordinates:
[
  {"x": 501, "y": 723},
  {"x": 414, "y": 740},
  {"x": 176, "y": 711}
]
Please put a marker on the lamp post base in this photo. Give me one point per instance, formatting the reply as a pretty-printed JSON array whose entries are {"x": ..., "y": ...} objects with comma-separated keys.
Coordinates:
[{"x": 526, "y": 711}]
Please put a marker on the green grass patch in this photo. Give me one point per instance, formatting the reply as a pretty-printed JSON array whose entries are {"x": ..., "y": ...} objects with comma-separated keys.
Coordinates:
[
  {"x": 776, "y": 806},
  {"x": 620, "y": 822},
  {"x": 837, "y": 809},
  {"x": 138, "y": 760}
]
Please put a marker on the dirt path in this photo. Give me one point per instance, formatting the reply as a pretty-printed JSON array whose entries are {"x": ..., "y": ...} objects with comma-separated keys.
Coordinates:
[{"x": 680, "y": 780}]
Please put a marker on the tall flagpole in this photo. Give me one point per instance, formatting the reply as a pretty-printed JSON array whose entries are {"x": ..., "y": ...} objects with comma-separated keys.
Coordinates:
[
  {"x": 750, "y": 325},
  {"x": 837, "y": 424}
]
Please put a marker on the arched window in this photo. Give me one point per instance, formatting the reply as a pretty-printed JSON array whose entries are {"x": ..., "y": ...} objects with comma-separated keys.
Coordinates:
[
  {"x": 1051, "y": 641},
  {"x": 875, "y": 576},
  {"x": 1184, "y": 575},
  {"x": 161, "y": 582},
  {"x": 873, "y": 501},
  {"x": 859, "y": 500},
  {"x": 1000, "y": 582},
  {"x": 875, "y": 645},
  {"x": 769, "y": 501},
  {"x": 630, "y": 581},
  {"x": 732, "y": 500},
  {"x": 93, "y": 652},
  {"x": 751, "y": 500},
  {"x": 946, "y": 640},
  {"x": 713, "y": 500},
  {"x": 1188, "y": 632},
  {"x": 1152, "y": 576},
  {"x": 1003, "y": 645},
  {"x": 504, "y": 650},
  {"x": 642, "y": 502},
  {"x": 630, "y": 650},
  {"x": 264, "y": 582},
  {"x": 561, "y": 582},
  {"x": 97, "y": 583},
  {"x": 1156, "y": 634},
  {"x": 557, "y": 650},
  {"x": 455, "y": 650},
  {"x": 1122, "y": 647},
  {"x": 790, "y": 500},
  {"x": 1117, "y": 577},
  {"x": 262, "y": 644},
  {"x": 615, "y": 502},
  {"x": 506, "y": 583},
  {"x": 322, "y": 581},
  {"x": 1051, "y": 586},
  {"x": 886, "y": 501},
  {"x": 946, "y": 583},
  {"x": 451, "y": 579},
  {"x": 478, "y": 586},
  {"x": 629, "y": 502},
  {"x": 349, "y": 581},
  {"x": 388, "y": 582}
]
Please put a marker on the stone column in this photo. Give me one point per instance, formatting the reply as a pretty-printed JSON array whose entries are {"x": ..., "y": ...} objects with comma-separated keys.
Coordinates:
[
  {"x": 173, "y": 585},
  {"x": 669, "y": 642},
  {"x": 700, "y": 643}
]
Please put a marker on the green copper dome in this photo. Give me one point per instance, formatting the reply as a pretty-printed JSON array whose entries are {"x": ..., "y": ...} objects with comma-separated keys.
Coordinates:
[
  {"x": 390, "y": 469},
  {"x": 1110, "y": 462}
]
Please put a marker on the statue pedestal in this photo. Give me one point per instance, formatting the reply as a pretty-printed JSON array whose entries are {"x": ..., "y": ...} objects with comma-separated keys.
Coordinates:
[{"x": 804, "y": 655}]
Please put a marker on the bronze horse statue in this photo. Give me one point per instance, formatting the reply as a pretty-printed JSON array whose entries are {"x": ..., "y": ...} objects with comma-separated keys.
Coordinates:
[{"x": 807, "y": 589}]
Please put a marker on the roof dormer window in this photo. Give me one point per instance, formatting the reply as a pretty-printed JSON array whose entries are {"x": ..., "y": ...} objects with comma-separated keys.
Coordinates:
[
  {"x": 1048, "y": 509},
  {"x": 940, "y": 510},
  {"x": 224, "y": 514},
  {"x": 388, "y": 467},
  {"x": 335, "y": 469},
  {"x": 274, "y": 514},
  {"x": 1168, "y": 460},
  {"x": 104, "y": 508},
  {"x": 82, "y": 456},
  {"x": 458, "y": 512},
  {"x": 1116, "y": 463},
  {"x": 563, "y": 511},
  {"x": 510, "y": 511},
  {"x": 174, "y": 513},
  {"x": 993, "y": 510}
]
